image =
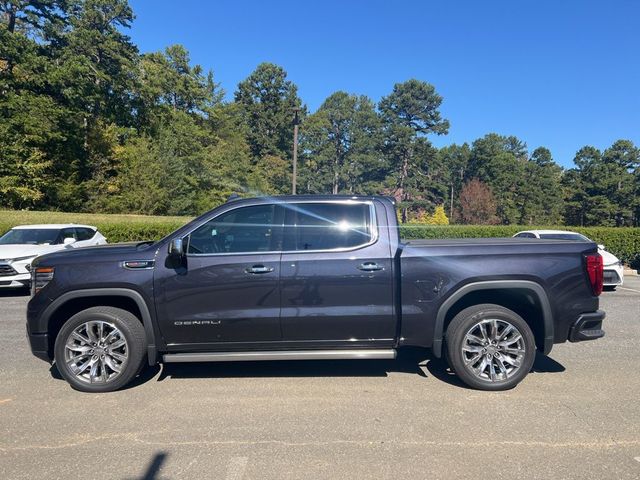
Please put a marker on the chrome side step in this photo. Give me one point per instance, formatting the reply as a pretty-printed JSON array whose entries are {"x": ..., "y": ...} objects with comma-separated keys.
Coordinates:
[{"x": 353, "y": 354}]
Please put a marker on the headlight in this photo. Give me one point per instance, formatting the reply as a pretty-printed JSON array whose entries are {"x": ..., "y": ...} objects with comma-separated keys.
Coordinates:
[{"x": 40, "y": 277}]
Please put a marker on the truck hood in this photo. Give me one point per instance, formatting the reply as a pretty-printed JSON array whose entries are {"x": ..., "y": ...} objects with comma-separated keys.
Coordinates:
[
  {"x": 109, "y": 252},
  {"x": 11, "y": 251}
]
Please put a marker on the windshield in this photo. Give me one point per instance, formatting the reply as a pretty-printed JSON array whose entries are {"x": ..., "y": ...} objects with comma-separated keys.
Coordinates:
[
  {"x": 30, "y": 236},
  {"x": 565, "y": 236}
]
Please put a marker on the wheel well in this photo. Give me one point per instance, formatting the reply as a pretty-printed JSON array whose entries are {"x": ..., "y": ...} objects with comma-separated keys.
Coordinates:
[
  {"x": 521, "y": 300},
  {"x": 75, "y": 305}
]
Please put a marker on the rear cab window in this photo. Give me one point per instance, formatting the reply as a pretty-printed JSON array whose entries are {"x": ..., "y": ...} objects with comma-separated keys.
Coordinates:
[{"x": 327, "y": 226}]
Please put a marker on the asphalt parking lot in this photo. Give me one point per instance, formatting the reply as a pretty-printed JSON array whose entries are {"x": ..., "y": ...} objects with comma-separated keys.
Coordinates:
[{"x": 576, "y": 416}]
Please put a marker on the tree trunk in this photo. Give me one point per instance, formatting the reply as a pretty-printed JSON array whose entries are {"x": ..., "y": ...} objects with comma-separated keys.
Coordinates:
[{"x": 11, "y": 26}]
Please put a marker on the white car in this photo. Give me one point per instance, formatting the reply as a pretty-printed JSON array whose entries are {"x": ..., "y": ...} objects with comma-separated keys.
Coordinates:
[
  {"x": 20, "y": 245},
  {"x": 613, "y": 270}
]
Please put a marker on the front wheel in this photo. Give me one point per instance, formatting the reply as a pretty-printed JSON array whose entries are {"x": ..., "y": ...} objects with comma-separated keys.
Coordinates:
[
  {"x": 490, "y": 347},
  {"x": 100, "y": 349}
]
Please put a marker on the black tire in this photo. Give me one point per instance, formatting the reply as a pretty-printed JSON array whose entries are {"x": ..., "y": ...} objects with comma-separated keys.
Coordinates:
[
  {"x": 464, "y": 322},
  {"x": 132, "y": 330}
]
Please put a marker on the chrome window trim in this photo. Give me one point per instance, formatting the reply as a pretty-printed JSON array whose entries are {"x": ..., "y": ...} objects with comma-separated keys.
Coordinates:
[{"x": 373, "y": 229}]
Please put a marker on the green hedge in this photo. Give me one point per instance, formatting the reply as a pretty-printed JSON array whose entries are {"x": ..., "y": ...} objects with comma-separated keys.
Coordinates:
[
  {"x": 117, "y": 228},
  {"x": 622, "y": 242}
]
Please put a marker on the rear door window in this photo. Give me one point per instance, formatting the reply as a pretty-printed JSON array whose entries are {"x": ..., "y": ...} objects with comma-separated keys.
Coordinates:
[
  {"x": 327, "y": 226},
  {"x": 84, "y": 233}
]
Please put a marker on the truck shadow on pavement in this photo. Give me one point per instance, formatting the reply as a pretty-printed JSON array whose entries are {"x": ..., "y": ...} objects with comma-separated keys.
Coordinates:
[
  {"x": 411, "y": 360},
  {"x": 14, "y": 292}
]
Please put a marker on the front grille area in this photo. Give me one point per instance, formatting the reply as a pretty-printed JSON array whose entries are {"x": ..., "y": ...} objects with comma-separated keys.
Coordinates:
[
  {"x": 7, "y": 271},
  {"x": 611, "y": 276}
]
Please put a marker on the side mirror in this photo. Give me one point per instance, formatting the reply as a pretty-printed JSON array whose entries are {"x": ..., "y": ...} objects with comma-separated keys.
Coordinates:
[
  {"x": 600, "y": 246},
  {"x": 69, "y": 241},
  {"x": 177, "y": 248}
]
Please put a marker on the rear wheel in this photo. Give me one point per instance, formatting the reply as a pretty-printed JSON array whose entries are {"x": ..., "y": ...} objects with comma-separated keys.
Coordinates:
[
  {"x": 100, "y": 349},
  {"x": 490, "y": 347}
]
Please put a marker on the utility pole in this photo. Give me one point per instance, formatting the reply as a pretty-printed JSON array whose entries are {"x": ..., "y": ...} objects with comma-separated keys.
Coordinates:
[{"x": 296, "y": 122}]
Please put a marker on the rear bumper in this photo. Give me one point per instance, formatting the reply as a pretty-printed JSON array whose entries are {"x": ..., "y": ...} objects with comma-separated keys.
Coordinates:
[{"x": 587, "y": 327}]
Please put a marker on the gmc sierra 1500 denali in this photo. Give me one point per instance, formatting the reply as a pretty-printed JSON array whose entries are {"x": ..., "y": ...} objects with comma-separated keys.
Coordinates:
[{"x": 310, "y": 277}]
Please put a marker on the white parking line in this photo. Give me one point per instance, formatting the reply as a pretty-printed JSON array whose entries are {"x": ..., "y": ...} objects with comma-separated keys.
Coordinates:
[
  {"x": 637, "y": 459},
  {"x": 629, "y": 289}
]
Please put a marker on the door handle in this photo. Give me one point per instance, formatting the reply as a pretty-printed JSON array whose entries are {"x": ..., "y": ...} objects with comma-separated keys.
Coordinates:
[
  {"x": 370, "y": 267},
  {"x": 258, "y": 269}
]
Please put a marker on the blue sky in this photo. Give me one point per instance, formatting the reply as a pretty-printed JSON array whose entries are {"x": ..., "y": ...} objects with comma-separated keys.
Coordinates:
[{"x": 562, "y": 74}]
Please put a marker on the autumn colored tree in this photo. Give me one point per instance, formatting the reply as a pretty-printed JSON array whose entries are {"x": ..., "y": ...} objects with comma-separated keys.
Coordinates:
[{"x": 477, "y": 203}]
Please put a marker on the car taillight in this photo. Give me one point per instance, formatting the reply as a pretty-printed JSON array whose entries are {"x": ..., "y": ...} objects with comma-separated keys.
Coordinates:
[
  {"x": 40, "y": 276},
  {"x": 595, "y": 271}
]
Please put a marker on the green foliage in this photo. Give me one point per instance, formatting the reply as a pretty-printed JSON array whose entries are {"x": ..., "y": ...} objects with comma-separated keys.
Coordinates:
[
  {"x": 409, "y": 114},
  {"x": 267, "y": 101},
  {"x": 87, "y": 123},
  {"x": 341, "y": 145},
  {"x": 117, "y": 228},
  {"x": 603, "y": 188}
]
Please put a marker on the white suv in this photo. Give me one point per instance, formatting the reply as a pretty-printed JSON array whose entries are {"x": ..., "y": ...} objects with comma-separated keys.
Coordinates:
[
  {"x": 20, "y": 245},
  {"x": 613, "y": 270}
]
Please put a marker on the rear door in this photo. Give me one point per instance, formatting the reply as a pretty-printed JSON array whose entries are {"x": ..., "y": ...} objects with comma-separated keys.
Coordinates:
[{"x": 336, "y": 275}]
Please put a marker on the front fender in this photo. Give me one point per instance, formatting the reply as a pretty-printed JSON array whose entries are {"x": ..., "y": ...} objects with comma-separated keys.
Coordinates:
[{"x": 150, "y": 333}]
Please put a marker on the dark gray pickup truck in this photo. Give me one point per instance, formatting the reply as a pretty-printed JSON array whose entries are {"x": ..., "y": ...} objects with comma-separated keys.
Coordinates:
[{"x": 310, "y": 277}]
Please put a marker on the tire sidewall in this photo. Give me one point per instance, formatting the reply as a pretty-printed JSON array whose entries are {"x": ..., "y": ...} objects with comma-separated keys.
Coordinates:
[
  {"x": 461, "y": 324},
  {"x": 123, "y": 321}
]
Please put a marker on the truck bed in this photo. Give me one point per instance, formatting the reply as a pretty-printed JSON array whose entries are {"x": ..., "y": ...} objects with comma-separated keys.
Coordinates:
[{"x": 431, "y": 270}]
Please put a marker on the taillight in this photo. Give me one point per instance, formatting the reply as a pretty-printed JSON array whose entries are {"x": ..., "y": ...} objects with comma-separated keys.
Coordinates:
[{"x": 595, "y": 270}]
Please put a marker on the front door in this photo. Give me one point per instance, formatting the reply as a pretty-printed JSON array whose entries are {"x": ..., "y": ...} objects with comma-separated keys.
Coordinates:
[
  {"x": 337, "y": 276},
  {"x": 226, "y": 293}
]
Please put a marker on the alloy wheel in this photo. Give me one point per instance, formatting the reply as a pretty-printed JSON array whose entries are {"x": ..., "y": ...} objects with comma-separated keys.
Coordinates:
[
  {"x": 493, "y": 350},
  {"x": 96, "y": 352}
]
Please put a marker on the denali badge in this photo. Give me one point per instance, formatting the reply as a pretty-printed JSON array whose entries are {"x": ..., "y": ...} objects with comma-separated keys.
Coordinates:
[
  {"x": 188, "y": 323},
  {"x": 138, "y": 264}
]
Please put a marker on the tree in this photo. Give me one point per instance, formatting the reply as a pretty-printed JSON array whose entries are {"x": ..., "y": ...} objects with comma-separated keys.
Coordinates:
[
  {"x": 439, "y": 217},
  {"x": 601, "y": 190},
  {"x": 167, "y": 82},
  {"x": 453, "y": 162},
  {"x": 500, "y": 162},
  {"x": 409, "y": 114},
  {"x": 541, "y": 193},
  {"x": 477, "y": 203},
  {"x": 31, "y": 120},
  {"x": 267, "y": 101},
  {"x": 342, "y": 142}
]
